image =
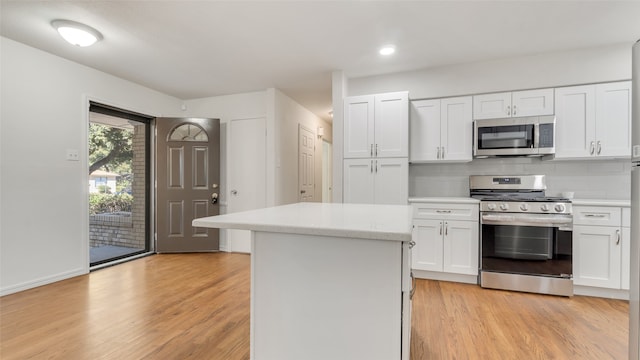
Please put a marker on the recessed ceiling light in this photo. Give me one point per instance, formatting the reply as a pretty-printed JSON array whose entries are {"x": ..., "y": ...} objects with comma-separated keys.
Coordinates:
[
  {"x": 76, "y": 33},
  {"x": 387, "y": 50}
]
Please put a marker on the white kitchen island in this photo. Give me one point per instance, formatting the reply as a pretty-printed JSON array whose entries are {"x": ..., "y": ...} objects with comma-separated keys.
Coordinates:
[{"x": 328, "y": 281}]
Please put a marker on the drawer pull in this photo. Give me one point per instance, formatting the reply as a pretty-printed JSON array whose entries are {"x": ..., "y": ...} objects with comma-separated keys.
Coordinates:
[
  {"x": 443, "y": 211},
  {"x": 595, "y": 215}
]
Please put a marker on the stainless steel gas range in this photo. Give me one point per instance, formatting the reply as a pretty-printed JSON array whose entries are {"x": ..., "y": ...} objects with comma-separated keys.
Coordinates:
[{"x": 525, "y": 236}]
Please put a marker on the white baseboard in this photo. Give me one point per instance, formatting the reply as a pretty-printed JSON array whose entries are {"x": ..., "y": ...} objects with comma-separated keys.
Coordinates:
[
  {"x": 601, "y": 292},
  {"x": 42, "y": 281}
]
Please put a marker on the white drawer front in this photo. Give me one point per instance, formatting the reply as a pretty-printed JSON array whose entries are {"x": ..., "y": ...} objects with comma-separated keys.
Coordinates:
[
  {"x": 445, "y": 211},
  {"x": 597, "y": 215}
]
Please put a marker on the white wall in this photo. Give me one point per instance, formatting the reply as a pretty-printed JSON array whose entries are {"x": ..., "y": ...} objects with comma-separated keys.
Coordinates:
[
  {"x": 227, "y": 108},
  {"x": 581, "y": 66},
  {"x": 599, "y": 179},
  {"x": 288, "y": 115},
  {"x": 44, "y": 230}
]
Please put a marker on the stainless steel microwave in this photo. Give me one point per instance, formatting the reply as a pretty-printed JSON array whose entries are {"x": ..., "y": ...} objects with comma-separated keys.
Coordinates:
[{"x": 523, "y": 136}]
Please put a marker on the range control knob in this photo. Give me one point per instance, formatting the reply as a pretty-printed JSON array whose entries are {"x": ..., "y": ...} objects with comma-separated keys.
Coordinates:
[
  {"x": 544, "y": 207},
  {"x": 524, "y": 207},
  {"x": 559, "y": 208},
  {"x": 491, "y": 207},
  {"x": 504, "y": 207}
]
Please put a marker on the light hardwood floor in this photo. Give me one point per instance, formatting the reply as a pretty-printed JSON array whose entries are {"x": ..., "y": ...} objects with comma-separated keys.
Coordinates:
[{"x": 196, "y": 306}]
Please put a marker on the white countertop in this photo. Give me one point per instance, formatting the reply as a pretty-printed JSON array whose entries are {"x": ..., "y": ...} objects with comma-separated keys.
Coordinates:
[
  {"x": 379, "y": 222},
  {"x": 601, "y": 202},
  {"x": 446, "y": 200}
]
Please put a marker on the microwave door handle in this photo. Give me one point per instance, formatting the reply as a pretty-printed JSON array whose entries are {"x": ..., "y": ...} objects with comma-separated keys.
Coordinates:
[{"x": 536, "y": 136}]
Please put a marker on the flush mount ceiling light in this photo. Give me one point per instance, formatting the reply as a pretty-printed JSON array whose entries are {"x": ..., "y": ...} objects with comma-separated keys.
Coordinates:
[
  {"x": 76, "y": 33},
  {"x": 387, "y": 50}
]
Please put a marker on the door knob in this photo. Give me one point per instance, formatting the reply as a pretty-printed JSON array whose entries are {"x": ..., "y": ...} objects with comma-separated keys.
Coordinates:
[{"x": 214, "y": 198}]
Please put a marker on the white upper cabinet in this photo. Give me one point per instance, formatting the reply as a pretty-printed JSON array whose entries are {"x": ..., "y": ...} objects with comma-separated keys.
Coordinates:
[
  {"x": 441, "y": 130},
  {"x": 593, "y": 121},
  {"x": 491, "y": 106},
  {"x": 575, "y": 121},
  {"x": 613, "y": 119},
  {"x": 513, "y": 104},
  {"x": 392, "y": 125},
  {"x": 424, "y": 130},
  {"x": 358, "y": 126},
  {"x": 376, "y": 125}
]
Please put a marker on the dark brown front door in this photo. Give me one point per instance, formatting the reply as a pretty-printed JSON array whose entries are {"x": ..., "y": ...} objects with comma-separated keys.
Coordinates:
[{"x": 188, "y": 178}]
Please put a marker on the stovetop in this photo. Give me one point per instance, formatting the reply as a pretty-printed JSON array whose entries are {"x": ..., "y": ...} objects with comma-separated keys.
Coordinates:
[
  {"x": 536, "y": 205},
  {"x": 516, "y": 194},
  {"x": 522, "y": 198}
]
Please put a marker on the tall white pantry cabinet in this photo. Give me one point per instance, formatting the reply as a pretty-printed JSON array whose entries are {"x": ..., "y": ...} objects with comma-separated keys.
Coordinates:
[{"x": 376, "y": 148}]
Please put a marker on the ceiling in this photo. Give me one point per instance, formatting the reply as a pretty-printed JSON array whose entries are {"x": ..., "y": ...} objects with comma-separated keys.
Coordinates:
[{"x": 196, "y": 49}]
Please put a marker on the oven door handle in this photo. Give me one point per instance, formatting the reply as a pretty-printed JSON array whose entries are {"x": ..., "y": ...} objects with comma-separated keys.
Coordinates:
[{"x": 526, "y": 220}]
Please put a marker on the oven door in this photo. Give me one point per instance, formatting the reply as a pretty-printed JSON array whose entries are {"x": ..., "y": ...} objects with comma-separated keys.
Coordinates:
[{"x": 527, "y": 244}]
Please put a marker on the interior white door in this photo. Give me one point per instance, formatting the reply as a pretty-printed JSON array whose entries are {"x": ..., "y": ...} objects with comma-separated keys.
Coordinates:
[
  {"x": 246, "y": 174},
  {"x": 327, "y": 171},
  {"x": 306, "y": 164}
]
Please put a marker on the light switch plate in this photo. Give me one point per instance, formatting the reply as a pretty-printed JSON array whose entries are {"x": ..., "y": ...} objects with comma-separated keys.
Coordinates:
[{"x": 73, "y": 155}]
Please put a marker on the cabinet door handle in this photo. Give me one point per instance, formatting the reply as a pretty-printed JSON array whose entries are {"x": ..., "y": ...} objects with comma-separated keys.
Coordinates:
[
  {"x": 599, "y": 147},
  {"x": 592, "y": 148},
  {"x": 514, "y": 109},
  {"x": 371, "y": 166},
  {"x": 508, "y": 110},
  {"x": 618, "y": 236},
  {"x": 376, "y": 166},
  {"x": 438, "y": 156},
  {"x": 446, "y": 229},
  {"x": 443, "y": 152},
  {"x": 440, "y": 228},
  {"x": 595, "y": 215},
  {"x": 376, "y": 150},
  {"x": 371, "y": 150}
]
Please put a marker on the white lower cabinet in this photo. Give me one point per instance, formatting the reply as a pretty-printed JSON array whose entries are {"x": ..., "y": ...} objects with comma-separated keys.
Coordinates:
[
  {"x": 597, "y": 256},
  {"x": 376, "y": 181},
  {"x": 445, "y": 244},
  {"x": 601, "y": 249}
]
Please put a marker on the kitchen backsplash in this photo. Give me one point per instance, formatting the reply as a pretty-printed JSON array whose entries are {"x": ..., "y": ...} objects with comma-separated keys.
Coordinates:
[{"x": 598, "y": 179}]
